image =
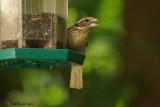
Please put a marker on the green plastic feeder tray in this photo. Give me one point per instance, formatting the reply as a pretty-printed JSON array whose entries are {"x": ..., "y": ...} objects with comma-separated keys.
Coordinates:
[{"x": 38, "y": 58}]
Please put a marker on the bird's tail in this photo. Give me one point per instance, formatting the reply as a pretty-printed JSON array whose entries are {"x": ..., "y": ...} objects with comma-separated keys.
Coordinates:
[{"x": 76, "y": 80}]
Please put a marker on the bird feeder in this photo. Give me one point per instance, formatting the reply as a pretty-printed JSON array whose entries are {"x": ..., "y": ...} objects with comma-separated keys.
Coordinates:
[{"x": 33, "y": 34}]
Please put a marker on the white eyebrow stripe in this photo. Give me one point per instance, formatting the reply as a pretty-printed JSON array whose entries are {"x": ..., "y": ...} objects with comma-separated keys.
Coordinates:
[{"x": 80, "y": 20}]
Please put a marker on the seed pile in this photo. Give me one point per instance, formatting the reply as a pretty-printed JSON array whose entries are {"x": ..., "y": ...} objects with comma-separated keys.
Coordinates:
[
  {"x": 38, "y": 26},
  {"x": 38, "y": 31}
]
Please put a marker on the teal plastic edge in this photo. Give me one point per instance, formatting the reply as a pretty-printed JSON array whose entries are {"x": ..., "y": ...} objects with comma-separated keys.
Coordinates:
[{"x": 28, "y": 57}]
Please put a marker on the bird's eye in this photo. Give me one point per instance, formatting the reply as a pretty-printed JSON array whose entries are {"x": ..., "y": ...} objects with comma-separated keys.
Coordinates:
[
  {"x": 77, "y": 24},
  {"x": 86, "y": 20}
]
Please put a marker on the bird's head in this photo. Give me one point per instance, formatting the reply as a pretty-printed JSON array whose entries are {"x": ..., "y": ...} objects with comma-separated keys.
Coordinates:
[{"x": 86, "y": 23}]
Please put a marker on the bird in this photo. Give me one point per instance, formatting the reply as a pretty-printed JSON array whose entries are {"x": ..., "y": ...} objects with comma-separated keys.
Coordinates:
[{"x": 77, "y": 40}]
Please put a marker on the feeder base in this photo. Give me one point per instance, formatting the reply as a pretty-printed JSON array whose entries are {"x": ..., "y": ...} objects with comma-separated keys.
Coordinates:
[{"x": 38, "y": 58}]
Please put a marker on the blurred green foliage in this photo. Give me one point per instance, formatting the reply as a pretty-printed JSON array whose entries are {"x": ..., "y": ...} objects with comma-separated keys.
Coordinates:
[{"x": 102, "y": 86}]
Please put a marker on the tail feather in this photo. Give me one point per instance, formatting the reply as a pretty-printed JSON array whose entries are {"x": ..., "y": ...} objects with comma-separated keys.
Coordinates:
[{"x": 76, "y": 80}]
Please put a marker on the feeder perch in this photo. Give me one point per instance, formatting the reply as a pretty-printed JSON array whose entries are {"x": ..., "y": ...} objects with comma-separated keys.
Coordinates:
[
  {"x": 33, "y": 34},
  {"x": 38, "y": 58}
]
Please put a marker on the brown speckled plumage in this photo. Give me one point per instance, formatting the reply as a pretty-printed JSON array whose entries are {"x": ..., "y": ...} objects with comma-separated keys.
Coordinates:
[{"x": 77, "y": 40}]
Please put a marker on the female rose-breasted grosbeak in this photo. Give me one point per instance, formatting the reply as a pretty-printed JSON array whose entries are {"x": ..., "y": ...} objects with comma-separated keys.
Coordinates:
[{"x": 77, "y": 40}]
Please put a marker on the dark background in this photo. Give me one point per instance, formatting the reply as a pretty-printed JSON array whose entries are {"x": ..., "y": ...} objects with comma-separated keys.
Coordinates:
[{"x": 121, "y": 68}]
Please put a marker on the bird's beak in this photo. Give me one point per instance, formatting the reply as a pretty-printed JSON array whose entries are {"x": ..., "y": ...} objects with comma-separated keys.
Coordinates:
[{"x": 94, "y": 22}]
